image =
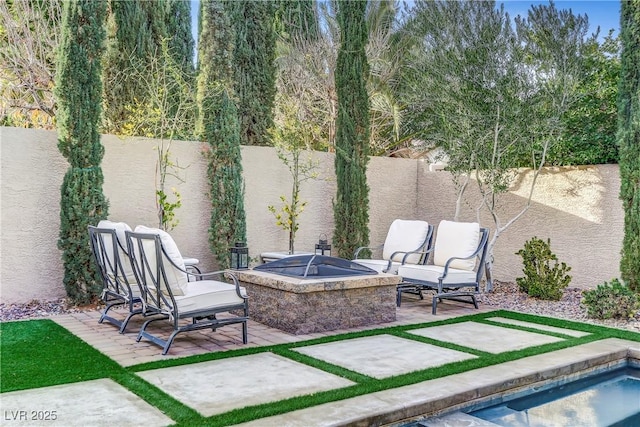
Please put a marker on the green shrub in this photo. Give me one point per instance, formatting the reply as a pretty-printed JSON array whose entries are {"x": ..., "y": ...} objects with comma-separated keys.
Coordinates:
[
  {"x": 541, "y": 279},
  {"x": 614, "y": 300}
]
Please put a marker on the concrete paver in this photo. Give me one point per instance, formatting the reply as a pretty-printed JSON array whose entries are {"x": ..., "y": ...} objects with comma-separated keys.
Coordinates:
[
  {"x": 97, "y": 403},
  {"x": 570, "y": 332},
  {"x": 480, "y": 336},
  {"x": 382, "y": 356},
  {"x": 219, "y": 386}
]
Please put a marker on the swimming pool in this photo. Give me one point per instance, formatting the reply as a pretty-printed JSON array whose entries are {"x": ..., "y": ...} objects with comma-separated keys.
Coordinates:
[
  {"x": 603, "y": 398},
  {"x": 606, "y": 399}
]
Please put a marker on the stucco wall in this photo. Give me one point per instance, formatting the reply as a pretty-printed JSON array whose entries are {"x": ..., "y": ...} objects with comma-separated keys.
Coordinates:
[{"x": 578, "y": 208}]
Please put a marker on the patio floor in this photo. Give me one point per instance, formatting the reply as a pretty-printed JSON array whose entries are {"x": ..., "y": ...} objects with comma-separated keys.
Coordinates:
[
  {"x": 267, "y": 377},
  {"x": 124, "y": 349}
]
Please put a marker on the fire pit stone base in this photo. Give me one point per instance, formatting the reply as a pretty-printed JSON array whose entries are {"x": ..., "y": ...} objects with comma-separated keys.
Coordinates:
[{"x": 303, "y": 306}]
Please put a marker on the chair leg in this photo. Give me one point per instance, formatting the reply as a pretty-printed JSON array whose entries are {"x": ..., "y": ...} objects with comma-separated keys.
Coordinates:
[
  {"x": 104, "y": 315},
  {"x": 144, "y": 327},
  {"x": 434, "y": 305},
  {"x": 475, "y": 301},
  {"x": 125, "y": 322},
  {"x": 168, "y": 343},
  {"x": 244, "y": 332}
]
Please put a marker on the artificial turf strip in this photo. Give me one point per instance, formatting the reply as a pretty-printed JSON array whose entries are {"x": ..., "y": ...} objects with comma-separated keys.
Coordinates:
[
  {"x": 40, "y": 353},
  {"x": 154, "y": 396},
  {"x": 526, "y": 329},
  {"x": 354, "y": 376}
]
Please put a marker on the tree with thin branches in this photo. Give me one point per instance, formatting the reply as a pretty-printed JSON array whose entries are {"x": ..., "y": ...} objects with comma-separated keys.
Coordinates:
[
  {"x": 492, "y": 94},
  {"x": 29, "y": 39}
]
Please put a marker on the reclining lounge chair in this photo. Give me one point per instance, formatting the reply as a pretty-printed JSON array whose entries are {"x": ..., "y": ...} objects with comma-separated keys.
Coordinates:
[
  {"x": 167, "y": 292},
  {"x": 108, "y": 242},
  {"x": 458, "y": 262}
]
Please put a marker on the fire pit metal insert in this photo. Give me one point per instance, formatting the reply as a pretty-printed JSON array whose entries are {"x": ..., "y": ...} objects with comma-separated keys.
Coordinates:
[{"x": 315, "y": 267}]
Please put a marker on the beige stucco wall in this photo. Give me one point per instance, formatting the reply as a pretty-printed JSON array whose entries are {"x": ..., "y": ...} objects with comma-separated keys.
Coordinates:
[{"x": 578, "y": 208}]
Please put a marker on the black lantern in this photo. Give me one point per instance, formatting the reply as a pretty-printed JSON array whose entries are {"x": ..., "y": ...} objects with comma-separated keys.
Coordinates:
[
  {"x": 239, "y": 256},
  {"x": 322, "y": 246}
]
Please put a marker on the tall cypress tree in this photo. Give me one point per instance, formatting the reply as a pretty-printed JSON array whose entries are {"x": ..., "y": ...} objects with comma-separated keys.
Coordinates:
[
  {"x": 254, "y": 67},
  {"x": 136, "y": 32},
  {"x": 180, "y": 43},
  {"x": 297, "y": 19},
  {"x": 130, "y": 43},
  {"x": 78, "y": 91},
  {"x": 178, "y": 30},
  {"x": 352, "y": 135},
  {"x": 629, "y": 140},
  {"x": 218, "y": 125}
]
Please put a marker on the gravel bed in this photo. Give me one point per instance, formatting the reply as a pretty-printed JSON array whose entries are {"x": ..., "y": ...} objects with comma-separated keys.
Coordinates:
[
  {"x": 505, "y": 295},
  {"x": 508, "y": 296},
  {"x": 38, "y": 309}
]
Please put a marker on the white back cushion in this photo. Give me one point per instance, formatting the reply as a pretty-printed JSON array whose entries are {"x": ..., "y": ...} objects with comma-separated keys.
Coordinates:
[
  {"x": 177, "y": 279},
  {"x": 120, "y": 228},
  {"x": 456, "y": 239},
  {"x": 406, "y": 236}
]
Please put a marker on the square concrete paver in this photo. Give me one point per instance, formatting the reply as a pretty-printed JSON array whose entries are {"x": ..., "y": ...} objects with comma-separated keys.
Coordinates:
[
  {"x": 570, "y": 332},
  {"x": 483, "y": 337},
  {"x": 219, "y": 386},
  {"x": 382, "y": 356},
  {"x": 89, "y": 403}
]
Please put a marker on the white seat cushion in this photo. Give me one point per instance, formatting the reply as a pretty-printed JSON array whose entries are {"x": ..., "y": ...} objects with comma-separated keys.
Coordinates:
[
  {"x": 120, "y": 228},
  {"x": 431, "y": 273},
  {"x": 176, "y": 277},
  {"x": 206, "y": 294},
  {"x": 456, "y": 239},
  {"x": 378, "y": 265},
  {"x": 405, "y": 236}
]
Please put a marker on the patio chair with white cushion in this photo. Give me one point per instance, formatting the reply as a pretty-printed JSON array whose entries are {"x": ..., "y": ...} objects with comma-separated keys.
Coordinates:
[
  {"x": 166, "y": 290},
  {"x": 458, "y": 262},
  {"x": 406, "y": 243},
  {"x": 108, "y": 243}
]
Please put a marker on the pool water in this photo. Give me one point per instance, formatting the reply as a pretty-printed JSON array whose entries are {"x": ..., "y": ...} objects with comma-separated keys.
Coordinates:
[{"x": 610, "y": 399}]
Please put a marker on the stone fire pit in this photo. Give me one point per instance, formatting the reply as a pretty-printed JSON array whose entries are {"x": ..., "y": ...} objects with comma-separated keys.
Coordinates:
[{"x": 306, "y": 305}]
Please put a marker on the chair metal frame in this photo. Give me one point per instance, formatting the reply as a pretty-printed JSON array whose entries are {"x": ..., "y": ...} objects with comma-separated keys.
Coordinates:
[
  {"x": 160, "y": 300},
  {"x": 116, "y": 289},
  {"x": 449, "y": 290},
  {"x": 425, "y": 246}
]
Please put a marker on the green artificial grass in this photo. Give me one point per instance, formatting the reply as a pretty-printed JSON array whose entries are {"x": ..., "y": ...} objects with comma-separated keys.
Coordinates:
[{"x": 39, "y": 353}]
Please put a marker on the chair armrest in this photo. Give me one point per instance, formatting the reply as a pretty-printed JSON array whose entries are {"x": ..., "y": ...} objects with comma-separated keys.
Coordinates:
[
  {"x": 226, "y": 274},
  {"x": 221, "y": 273},
  {"x": 357, "y": 252},
  {"x": 423, "y": 253},
  {"x": 473, "y": 255}
]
